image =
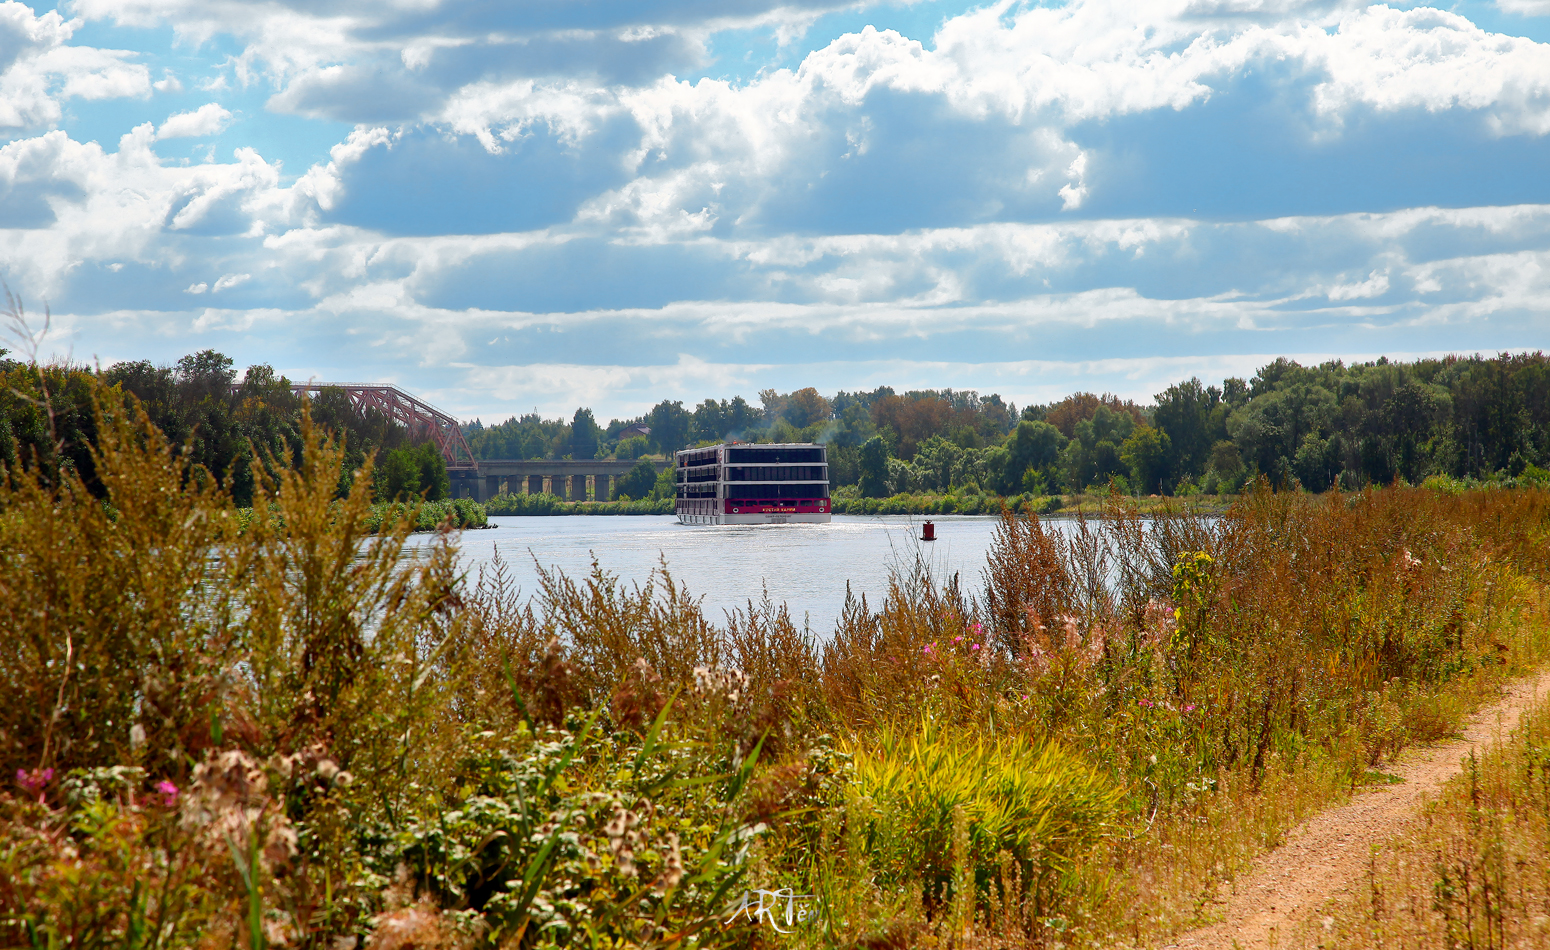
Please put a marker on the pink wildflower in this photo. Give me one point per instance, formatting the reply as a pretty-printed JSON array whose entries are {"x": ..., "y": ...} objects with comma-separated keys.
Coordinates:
[
  {"x": 957, "y": 639},
  {"x": 974, "y": 646},
  {"x": 1190, "y": 708},
  {"x": 169, "y": 793},
  {"x": 35, "y": 781}
]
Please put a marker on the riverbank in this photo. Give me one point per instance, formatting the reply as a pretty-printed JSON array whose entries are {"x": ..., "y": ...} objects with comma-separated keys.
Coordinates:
[
  {"x": 905, "y": 504},
  {"x": 463, "y": 513},
  {"x": 544, "y": 504},
  {"x": 1056, "y": 505}
]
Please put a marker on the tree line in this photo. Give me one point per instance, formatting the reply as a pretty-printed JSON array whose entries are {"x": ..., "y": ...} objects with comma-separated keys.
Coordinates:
[
  {"x": 1462, "y": 417},
  {"x": 1312, "y": 427}
]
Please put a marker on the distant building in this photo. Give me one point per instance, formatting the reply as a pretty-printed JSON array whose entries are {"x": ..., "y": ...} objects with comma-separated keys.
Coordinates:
[{"x": 631, "y": 431}]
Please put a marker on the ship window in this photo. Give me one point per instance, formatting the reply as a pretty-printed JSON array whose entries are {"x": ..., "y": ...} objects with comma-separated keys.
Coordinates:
[
  {"x": 773, "y": 473},
  {"x": 750, "y": 455},
  {"x": 768, "y": 492}
]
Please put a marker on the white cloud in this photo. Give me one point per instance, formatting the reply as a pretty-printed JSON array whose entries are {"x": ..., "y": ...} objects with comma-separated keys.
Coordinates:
[
  {"x": 38, "y": 69},
  {"x": 1040, "y": 69},
  {"x": 712, "y": 154},
  {"x": 1525, "y": 7},
  {"x": 208, "y": 119},
  {"x": 1376, "y": 285},
  {"x": 577, "y": 384},
  {"x": 231, "y": 280},
  {"x": 129, "y": 206}
]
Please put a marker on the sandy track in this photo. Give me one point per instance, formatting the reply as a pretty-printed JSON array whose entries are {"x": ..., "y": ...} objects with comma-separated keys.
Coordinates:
[{"x": 1326, "y": 855}]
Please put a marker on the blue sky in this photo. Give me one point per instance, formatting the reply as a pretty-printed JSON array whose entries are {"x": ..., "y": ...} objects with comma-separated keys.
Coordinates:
[{"x": 518, "y": 205}]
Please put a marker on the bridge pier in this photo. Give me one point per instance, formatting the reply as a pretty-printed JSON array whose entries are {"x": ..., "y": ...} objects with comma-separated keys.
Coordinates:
[{"x": 566, "y": 479}]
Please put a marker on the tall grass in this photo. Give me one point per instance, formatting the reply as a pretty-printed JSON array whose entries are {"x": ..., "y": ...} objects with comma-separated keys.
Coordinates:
[{"x": 278, "y": 731}]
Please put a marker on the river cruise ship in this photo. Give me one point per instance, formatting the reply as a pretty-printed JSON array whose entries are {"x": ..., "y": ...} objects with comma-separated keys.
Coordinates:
[{"x": 741, "y": 483}]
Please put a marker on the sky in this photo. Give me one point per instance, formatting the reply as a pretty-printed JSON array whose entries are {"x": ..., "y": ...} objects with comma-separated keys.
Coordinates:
[{"x": 529, "y": 204}]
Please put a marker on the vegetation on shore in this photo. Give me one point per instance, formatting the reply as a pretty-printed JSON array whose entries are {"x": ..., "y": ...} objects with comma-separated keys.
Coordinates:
[
  {"x": 1458, "y": 420},
  {"x": 283, "y": 734},
  {"x": 418, "y": 514},
  {"x": 850, "y": 504},
  {"x": 1314, "y": 426},
  {"x": 547, "y": 504}
]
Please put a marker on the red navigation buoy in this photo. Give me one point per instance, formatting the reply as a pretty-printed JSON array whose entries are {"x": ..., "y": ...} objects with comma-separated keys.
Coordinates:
[{"x": 928, "y": 532}]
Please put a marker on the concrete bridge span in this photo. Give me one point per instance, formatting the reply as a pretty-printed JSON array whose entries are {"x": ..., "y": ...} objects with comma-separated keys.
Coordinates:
[{"x": 572, "y": 480}]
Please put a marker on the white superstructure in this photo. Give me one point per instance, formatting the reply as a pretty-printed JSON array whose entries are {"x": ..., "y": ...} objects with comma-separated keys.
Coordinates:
[{"x": 748, "y": 483}]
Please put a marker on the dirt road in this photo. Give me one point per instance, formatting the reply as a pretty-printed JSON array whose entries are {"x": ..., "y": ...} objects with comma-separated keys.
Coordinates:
[{"x": 1327, "y": 855}]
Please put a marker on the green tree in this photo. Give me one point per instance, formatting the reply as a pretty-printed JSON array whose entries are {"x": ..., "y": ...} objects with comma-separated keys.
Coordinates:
[
  {"x": 1187, "y": 413},
  {"x": 584, "y": 435},
  {"x": 805, "y": 407},
  {"x": 434, "y": 483},
  {"x": 1317, "y": 462},
  {"x": 1146, "y": 454},
  {"x": 669, "y": 426},
  {"x": 852, "y": 426},
  {"x": 1033, "y": 445},
  {"x": 1092, "y": 457},
  {"x": 709, "y": 423},
  {"x": 874, "y": 468},
  {"x": 397, "y": 476},
  {"x": 666, "y": 486},
  {"x": 413, "y": 471},
  {"x": 638, "y": 481}
]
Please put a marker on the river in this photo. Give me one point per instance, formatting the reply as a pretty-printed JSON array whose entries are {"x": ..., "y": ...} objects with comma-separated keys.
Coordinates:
[{"x": 806, "y": 566}]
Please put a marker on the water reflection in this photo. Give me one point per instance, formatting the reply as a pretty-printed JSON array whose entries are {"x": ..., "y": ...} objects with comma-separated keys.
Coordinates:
[{"x": 805, "y": 566}]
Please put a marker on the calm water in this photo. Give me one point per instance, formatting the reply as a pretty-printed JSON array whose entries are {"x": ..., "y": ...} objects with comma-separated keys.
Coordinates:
[{"x": 804, "y": 565}]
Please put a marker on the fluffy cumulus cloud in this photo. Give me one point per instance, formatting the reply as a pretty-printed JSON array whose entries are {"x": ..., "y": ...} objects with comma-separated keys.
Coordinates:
[
  {"x": 40, "y": 69},
  {"x": 614, "y": 203},
  {"x": 208, "y": 119}
]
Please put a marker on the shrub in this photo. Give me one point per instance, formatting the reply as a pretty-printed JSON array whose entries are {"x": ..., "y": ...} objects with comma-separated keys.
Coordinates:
[{"x": 541, "y": 503}]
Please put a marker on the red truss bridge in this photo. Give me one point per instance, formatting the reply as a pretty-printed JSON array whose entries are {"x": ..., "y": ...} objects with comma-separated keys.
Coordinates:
[{"x": 422, "y": 419}]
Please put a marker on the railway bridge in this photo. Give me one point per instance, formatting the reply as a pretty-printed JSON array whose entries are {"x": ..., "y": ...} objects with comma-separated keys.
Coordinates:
[{"x": 482, "y": 479}]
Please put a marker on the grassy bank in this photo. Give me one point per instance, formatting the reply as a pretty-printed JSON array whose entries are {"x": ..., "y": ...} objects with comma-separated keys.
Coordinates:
[
  {"x": 931, "y": 504},
  {"x": 268, "y": 735},
  {"x": 843, "y": 504},
  {"x": 420, "y": 515},
  {"x": 546, "y": 504}
]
